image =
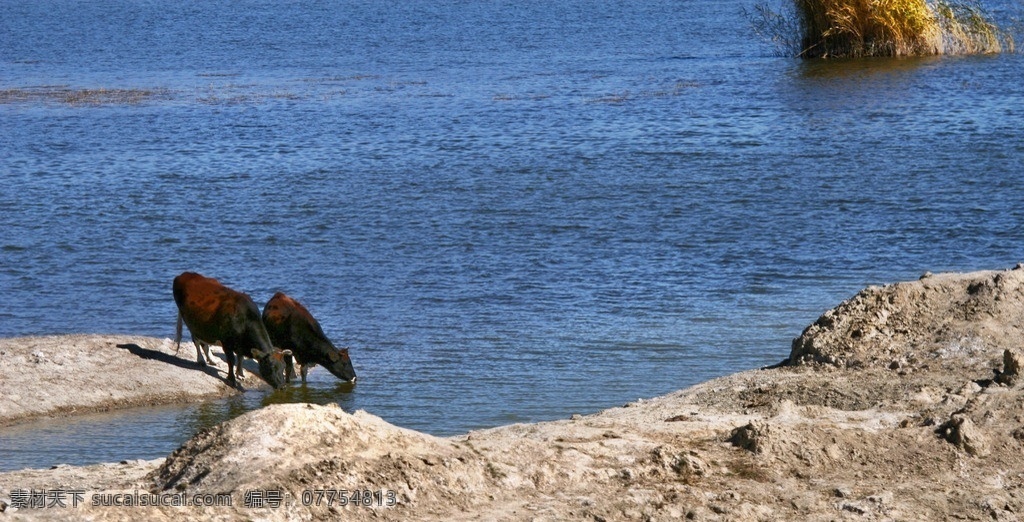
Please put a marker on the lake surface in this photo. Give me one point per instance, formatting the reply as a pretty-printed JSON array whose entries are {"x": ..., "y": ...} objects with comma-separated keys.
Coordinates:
[{"x": 510, "y": 211}]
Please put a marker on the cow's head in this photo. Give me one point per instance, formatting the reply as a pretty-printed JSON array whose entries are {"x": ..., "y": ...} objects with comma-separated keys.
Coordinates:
[
  {"x": 272, "y": 366},
  {"x": 341, "y": 365}
]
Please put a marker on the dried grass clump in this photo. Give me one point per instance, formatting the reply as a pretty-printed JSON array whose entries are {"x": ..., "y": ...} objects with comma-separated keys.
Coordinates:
[
  {"x": 858, "y": 28},
  {"x": 868, "y": 28}
]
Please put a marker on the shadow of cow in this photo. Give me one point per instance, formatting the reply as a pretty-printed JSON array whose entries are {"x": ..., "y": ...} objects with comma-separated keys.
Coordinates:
[{"x": 157, "y": 355}]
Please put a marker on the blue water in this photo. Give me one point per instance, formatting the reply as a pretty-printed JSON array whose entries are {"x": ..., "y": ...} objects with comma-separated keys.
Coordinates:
[{"x": 510, "y": 211}]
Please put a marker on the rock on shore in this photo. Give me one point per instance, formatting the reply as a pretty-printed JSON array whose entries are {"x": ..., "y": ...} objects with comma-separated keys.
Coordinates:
[{"x": 902, "y": 403}]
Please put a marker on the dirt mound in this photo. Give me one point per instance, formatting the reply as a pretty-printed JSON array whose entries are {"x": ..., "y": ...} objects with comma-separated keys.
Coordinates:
[
  {"x": 906, "y": 325},
  {"x": 302, "y": 449}
]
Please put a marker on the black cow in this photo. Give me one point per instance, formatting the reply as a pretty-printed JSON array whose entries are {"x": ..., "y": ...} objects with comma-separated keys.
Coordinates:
[
  {"x": 292, "y": 328},
  {"x": 216, "y": 314}
]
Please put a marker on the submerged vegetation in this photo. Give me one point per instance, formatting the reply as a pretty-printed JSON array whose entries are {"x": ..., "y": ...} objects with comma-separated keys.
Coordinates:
[
  {"x": 64, "y": 94},
  {"x": 856, "y": 28}
]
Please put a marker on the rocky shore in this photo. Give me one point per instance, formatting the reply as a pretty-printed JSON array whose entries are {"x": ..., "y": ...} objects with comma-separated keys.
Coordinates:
[{"x": 904, "y": 402}]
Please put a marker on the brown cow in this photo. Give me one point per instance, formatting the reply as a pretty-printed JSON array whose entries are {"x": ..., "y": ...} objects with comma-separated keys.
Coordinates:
[
  {"x": 292, "y": 328},
  {"x": 216, "y": 314}
]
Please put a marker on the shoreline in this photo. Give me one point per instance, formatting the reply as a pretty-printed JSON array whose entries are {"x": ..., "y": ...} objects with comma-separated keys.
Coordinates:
[
  {"x": 902, "y": 402},
  {"x": 60, "y": 375}
]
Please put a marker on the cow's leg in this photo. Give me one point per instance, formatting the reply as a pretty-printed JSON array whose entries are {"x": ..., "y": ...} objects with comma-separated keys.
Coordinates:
[
  {"x": 229, "y": 354},
  {"x": 304, "y": 368},
  {"x": 200, "y": 348},
  {"x": 209, "y": 359},
  {"x": 203, "y": 346},
  {"x": 289, "y": 367}
]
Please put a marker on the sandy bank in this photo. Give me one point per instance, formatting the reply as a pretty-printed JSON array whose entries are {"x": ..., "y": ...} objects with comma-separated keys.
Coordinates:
[
  {"x": 68, "y": 374},
  {"x": 902, "y": 403}
]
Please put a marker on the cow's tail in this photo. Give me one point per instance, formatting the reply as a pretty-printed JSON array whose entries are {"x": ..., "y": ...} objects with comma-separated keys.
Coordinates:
[{"x": 177, "y": 334}]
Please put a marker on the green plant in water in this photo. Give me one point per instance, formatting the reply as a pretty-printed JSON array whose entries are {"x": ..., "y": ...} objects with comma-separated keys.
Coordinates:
[{"x": 854, "y": 28}]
